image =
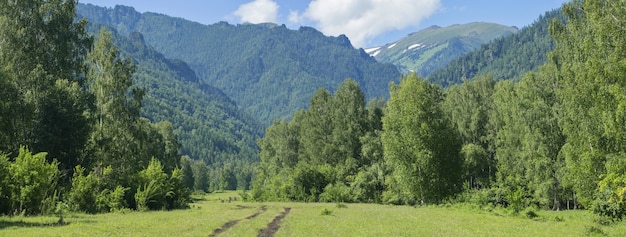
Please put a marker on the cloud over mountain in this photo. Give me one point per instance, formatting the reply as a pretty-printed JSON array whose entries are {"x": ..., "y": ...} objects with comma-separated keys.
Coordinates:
[
  {"x": 258, "y": 11},
  {"x": 362, "y": 20}
]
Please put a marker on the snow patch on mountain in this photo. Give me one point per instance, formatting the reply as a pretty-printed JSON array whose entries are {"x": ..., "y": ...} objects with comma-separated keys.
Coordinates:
[
  {"x": 414, "y": 46},
  {"x": 371, "y": 50}
]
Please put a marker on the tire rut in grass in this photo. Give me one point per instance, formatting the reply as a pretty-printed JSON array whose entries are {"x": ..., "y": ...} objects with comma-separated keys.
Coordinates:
[
  {"x": 273, "y": 226},
  {"x": 229, "y": 224}
]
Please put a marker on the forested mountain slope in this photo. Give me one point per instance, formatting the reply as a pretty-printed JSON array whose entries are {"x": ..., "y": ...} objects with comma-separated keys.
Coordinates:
[
  {"x": 209, "y": 125},
  {"x": 434, "y": 47},
  {"x": 505, "y": 58},
  {"x": 269, "y": 70}
]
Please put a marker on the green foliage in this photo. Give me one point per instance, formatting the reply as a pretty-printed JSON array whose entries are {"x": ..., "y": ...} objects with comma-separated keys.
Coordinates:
[
  {"x": 187, "y": 172},
  {"x": 5, "y": 181},
  {"x": 112, "y": 200},
  {"x": 62, "y": 97},
  {"x": 415, "y": 131},
  {"x": 33, "y": 179},
  {"x": 338, "y": 192},
  {"x": 158, "y": 191},
  {"x": 469, "y": 107},
  {"x": 200, "y": 176},
  {"x": 84, "y": 191},
  {"x": 41, "y": 53},
  {"x": 146, "y": 196},
  {"x": 589, "y": 64},
  {"x": 330, "y": 152}
]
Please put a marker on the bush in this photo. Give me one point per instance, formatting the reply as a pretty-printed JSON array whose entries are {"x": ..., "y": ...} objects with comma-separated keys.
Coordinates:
[
  {"x": 84, "y": 191},
  {"x": 33, "y": 180},
  {"x": 609, "y": 198},
  {"x": 111, "y": 201},
  {"x": 336, "y": 193},
  {"x": 156, "y": 191}
]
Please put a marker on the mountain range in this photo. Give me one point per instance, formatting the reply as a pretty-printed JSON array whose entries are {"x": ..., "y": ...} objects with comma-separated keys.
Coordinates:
[
  {"x": 209, "y": 125},
  {"x": 221, "y": 84},
  {"x": 434, "y": 47},
  {"x": 504, "y": 58},
  {"x": 270, "y": 71}
]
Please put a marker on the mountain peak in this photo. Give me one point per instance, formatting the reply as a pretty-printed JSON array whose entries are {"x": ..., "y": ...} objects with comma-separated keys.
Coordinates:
[{"x": 435, "y": 46}]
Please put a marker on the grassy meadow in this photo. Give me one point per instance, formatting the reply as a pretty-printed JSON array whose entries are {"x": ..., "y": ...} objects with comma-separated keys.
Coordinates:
[{"x": 209, "y": 214}]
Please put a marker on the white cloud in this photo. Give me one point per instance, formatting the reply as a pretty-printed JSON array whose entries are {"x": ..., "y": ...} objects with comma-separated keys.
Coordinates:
[
  {"x": 295, "y": 17},
  {"x": 362, "y": 20},
  {"x": 258, "y": 11}
]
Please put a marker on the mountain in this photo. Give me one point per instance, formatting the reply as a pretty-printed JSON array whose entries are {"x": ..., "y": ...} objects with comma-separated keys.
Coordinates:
[
  {"x": 208, "y": 123},
  {"x": 268, "y": 70},
  {"x": 434, "y": 47},
  {"x": 504, "y": 58}
]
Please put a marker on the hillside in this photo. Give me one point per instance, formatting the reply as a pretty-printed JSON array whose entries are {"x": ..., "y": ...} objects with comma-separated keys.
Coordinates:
[
  {"x": 434, "y": 47},
  {"x": 505, "y": 58},
  {"x": 268, "y": 70},
  {"x": 209, "y": 125}
]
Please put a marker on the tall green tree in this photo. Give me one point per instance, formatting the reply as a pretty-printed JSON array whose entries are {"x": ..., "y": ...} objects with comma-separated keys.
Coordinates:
[
  {"x": 469, "y": 106},
  {"x": 419, "y": 141},
  {"x": 120, "y": 136},
  {"x": 42, "y": 51},
  {"x": 590, "y": 59},
  {"x": 200, "y": 176}
]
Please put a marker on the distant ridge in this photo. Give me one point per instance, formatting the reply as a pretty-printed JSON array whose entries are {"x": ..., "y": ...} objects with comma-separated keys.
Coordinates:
[
  {"x": 504, "y": 58},
  {"x": 434, "y": 47},
  {"x": 268, "y": 70}
]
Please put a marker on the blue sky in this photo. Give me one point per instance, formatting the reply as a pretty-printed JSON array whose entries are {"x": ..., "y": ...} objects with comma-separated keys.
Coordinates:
[{"x": 366, "y": 22}]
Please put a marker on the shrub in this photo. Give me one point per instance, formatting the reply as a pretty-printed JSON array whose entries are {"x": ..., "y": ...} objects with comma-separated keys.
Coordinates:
[
  {"x": 146, "y": 196},
  {"x": 157, "y": 191},
  {"x": 84, "y": 191},
  {"x": 111, "y": 201},
  {"x": 336, "y": 193},
  {"x": 33, "y": 179}
]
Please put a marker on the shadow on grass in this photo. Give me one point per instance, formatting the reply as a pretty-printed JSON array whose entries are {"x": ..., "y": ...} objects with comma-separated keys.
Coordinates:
[{"x": 20, "y": 223}]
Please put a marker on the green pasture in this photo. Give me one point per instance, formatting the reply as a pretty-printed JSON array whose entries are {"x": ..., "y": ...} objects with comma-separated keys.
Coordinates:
[{"x": 213, "y": 211}]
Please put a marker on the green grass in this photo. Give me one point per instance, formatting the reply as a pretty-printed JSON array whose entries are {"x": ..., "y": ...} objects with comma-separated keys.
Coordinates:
[{"x": 308, "y": 219}]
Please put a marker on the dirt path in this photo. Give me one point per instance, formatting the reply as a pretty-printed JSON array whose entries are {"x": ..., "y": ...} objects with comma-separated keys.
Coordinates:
[
  {"x": 234, "y": 222},
  {"x": 273, "y": 226}
]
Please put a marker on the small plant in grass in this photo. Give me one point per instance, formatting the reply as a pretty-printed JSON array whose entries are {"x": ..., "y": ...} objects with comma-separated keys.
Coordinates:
[
  {"x": 341, "y": 205},
  {"x": 244, "y": 196},
  {"x": 59, "y": 209},
  {"x": 594, "y": 231},
  {"x": 558, "y": 219},
  {"x": 603, "y": 220},
  {"x": 531, "y": 214},
  {"x": 326, "y": 212}
]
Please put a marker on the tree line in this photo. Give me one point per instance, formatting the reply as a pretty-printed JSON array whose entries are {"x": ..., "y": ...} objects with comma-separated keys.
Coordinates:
[
  {"x": 71, "y": 133},
  {"x": 554, "y": 139}
]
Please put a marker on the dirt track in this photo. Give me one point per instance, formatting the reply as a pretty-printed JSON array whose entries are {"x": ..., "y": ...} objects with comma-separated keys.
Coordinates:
[
  {"x": 234, "y": 222},
  {"x": 273, "y": 226}
]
